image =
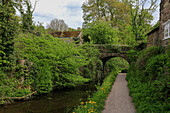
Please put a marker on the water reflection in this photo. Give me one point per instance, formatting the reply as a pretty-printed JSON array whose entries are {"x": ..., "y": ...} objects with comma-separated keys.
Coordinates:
[{"x": 56, "y": 102}]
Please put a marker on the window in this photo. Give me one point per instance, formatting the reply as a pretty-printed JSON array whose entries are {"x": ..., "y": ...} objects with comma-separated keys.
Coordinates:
[{"x": 167, "y": 30}]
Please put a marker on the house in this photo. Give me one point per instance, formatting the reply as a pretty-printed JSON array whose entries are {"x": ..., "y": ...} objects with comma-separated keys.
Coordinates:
[
  {"x": 68, "y": 36},
  {"x": 153, "y": 37},
  {"x": 161, "y": 35}
]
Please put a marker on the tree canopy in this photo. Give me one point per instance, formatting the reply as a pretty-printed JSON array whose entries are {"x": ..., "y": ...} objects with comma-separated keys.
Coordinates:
[
  {"x": 58, "y": 25},
  {"x": 131, "y": 18},
  {"x": 100, "y": 32}
]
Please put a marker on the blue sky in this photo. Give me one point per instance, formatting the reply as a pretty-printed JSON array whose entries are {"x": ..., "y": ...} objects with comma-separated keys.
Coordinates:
[{"x": 68, "y": 10}]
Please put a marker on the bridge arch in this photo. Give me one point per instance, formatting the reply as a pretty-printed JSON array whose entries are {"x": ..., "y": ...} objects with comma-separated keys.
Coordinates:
[{"x": 106, "y": 56}]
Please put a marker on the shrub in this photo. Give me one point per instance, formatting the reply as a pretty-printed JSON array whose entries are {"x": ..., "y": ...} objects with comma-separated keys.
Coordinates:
[
  {"x": 146, "y": 54},
  {"x": 156, "y": 66},
  {"x": 97, "y": 101},
  {"x": 149, "y": 85},
  {"x": 132, "y": 55},
  {"x": 54, "y": 61},
  {"x": 100, "y": 32}
]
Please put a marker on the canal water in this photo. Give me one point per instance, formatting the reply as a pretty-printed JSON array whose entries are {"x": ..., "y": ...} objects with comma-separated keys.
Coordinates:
[{"x": 60, "y": 101}]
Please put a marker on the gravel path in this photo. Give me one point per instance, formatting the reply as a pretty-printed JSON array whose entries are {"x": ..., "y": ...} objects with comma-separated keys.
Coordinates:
[{"x": 119, "y": 100}]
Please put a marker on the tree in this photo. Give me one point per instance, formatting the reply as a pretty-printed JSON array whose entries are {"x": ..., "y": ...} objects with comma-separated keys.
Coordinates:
[
  {"x": 141, "y": 16},
  {"x": 117, "y": 12},
  {"x": 58, "y": 25},
  {"x": 8, "y": 28},
  {"x": 27, "y": 19},
  {"x": 78, "y": 28},
  {"x": 100, "y": 32}
]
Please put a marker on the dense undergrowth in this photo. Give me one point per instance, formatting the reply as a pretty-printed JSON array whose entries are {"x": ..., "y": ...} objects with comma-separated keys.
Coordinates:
[
  {"x": 148, "y": 79},
  {"x": 97, "y": 101},
  {"x": 41, "y": 63}
]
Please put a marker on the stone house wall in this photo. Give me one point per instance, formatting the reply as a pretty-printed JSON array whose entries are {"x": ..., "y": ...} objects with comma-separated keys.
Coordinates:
[
  {"x": 164, "y": 17},
  {"x": 153, "y": 37}
]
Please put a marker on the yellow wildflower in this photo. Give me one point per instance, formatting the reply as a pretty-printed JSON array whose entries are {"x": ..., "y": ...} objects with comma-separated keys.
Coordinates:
[
  {"x": 85, "y": 106},
  {"x": 89, "y": 101}
]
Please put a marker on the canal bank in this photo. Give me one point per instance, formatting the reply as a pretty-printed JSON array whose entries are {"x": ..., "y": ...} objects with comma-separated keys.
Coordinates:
[{"x": 58, "y": 101}]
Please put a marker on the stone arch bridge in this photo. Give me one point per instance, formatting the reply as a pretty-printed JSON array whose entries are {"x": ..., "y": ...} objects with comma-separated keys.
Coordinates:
[{"x": 108, "y": 51}]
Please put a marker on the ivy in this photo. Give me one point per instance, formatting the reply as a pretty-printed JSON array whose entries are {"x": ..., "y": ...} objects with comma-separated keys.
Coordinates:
[{"x": 8, "y": 29}]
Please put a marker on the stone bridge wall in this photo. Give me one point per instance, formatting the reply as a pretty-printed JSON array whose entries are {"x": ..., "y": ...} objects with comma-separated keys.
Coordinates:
[{"x": 111, "y": 51}]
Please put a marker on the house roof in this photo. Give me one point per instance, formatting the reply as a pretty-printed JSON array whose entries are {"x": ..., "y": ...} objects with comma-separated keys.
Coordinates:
[
  {"x": 66, "y": 34},
  {"x": 153, "y": 30}
]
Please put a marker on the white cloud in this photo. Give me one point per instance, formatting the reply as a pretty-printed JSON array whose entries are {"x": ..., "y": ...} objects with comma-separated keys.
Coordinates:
[
  {"x": 68, "y": 10},
  {"x": 156, "y": 15}
]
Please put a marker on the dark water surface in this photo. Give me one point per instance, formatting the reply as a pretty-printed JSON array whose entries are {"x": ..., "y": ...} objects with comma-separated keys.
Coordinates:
[{"x": 62, "y": 101}]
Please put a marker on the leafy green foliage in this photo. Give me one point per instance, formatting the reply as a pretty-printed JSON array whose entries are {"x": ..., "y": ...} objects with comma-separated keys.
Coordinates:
[
  {"x": 27, "y": 16},
  {"x": 117, "y": 12},
  {"x": 155, "y": 66},
  {"x": 100, "y": 32},
  {"x": 8, "y": 29},
  {"x": 116, "y": 64},
  {"x": 141, "y": 15},
  {"x": 127, "y": 36},
  {"x": 94, "y": 68},
  {"x": 1, "y": 55},
  {"x": 55, "y": 62},
  {"x": 149, "y": 85},
  {"x": 132, "y": 55},
  {"x": 145, "y": 55},
  {"x": 42, "y": 62},
  {"x": 97, "y": 101}
]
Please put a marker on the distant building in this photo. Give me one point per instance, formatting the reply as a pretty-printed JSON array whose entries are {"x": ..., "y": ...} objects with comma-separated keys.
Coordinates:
[
  {"x": 161, "y": 34},
  {"x": 68, "y": 36}
]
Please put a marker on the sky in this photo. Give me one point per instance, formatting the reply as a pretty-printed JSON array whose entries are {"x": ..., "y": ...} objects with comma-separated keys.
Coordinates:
[{"x": 68, "y": 10}]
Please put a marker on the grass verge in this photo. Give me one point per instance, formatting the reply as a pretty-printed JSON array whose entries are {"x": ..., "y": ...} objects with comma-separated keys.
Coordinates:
[{"x": 97, "y": 101}]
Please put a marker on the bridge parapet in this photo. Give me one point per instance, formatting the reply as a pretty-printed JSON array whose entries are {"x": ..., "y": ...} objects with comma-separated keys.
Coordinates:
[
  {"x": 108, "y": 51},
  {"x": 108, "y": 48}
]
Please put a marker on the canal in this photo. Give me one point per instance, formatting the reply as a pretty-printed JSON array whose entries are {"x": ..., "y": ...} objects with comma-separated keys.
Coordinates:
[{"x": 59, "y": 101}]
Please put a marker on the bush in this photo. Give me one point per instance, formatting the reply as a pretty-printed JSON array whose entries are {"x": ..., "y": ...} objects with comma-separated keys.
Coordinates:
[
  {"x": 132, "y": 55},
  {"x": 94, "y": 67},
  {"x": 54, "y": 61},
  {"x": 146, "y": 54},
  {"x": 149, "y": 85},
  {"x": 97, "y": 101},
  {"x": 157, "y": 66},
  {"x": 100, "y": 32}
]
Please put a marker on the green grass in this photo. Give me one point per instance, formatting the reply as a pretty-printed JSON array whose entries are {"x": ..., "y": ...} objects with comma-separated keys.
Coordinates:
[{"x": 97, "y": 101}]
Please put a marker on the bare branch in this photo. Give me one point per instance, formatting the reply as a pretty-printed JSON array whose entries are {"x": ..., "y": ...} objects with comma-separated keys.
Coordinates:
[{"x": 35, "y": 5}]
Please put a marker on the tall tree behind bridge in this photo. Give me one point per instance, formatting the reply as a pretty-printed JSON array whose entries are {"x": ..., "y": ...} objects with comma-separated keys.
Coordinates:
[
  {"x": 117, "y": 12},
  {"x": 141, "y": 16},
  {"x": 132, "y": 17},
  {"x": 58, "y": 25}
]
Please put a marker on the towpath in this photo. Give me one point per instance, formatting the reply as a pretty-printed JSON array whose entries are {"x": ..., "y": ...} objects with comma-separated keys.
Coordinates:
[{"x": 119, "y": 100}]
